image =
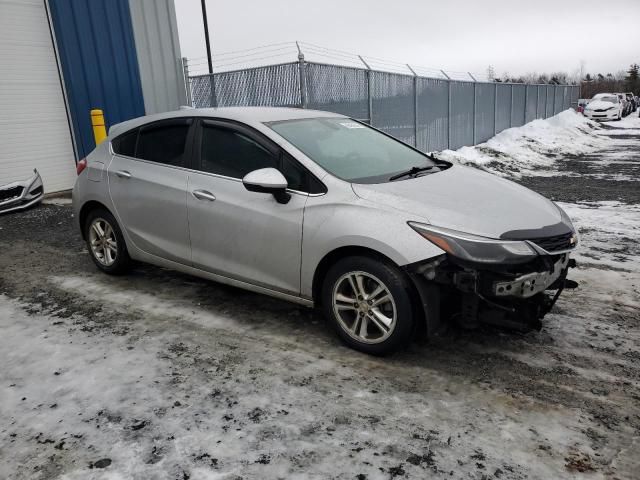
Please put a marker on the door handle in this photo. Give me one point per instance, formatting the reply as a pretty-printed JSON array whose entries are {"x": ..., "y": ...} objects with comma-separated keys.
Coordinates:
[
  {"x": 204, "y": 195},
  {"x": 123, "y": 174}
]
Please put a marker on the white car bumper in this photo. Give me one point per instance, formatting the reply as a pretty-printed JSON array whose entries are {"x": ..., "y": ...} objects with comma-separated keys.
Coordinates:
[
  {"x": 601, "y": 116},
  {"x": 20, "y": 195}
]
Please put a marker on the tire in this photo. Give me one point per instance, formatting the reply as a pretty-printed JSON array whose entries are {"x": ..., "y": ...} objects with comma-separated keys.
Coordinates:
[
  {"x": 110, "y": 258},
  {"x": 388, "y": 323}
]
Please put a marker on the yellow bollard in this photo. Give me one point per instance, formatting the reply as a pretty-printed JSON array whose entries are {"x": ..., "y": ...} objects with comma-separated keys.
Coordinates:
[{"x": 99, "y": 128}]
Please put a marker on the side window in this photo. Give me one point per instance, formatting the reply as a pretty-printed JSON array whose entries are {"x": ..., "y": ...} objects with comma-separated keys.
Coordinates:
[
  {"x": 299, "y": 178},
  {"x": 164, "y": 142},
  {"x": 125, "y": 144},
  {"x": 230, "y": 153},
  {"x": 296, "y": 175}
]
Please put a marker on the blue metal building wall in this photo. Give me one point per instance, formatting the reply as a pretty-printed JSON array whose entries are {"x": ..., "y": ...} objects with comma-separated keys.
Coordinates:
[{"x": 99, "y": 63}]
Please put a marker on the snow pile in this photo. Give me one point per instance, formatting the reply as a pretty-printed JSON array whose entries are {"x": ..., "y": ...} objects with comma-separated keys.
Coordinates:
[{"x": 522, "y": 150}]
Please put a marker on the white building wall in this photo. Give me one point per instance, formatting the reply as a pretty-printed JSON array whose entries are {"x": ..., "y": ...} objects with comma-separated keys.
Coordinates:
[{"x": 34, "y": 130}]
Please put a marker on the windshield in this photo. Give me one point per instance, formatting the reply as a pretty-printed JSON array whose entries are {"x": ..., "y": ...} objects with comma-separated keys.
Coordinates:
[
  {"x": 350, "y": 150},
  {"x": 607, "y": 98}
]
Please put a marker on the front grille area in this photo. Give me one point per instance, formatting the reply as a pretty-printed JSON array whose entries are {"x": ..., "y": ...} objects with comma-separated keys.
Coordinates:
[
  {"x": 10, "y": 193},
  {"x": 36, "y": 191},
  {"x": 555, "y": 243}
]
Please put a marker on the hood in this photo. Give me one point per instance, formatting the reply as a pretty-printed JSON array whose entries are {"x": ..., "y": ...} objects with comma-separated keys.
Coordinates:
[
  {"x": 468, "y": 200},
  {"x": 599, "y": 105}
]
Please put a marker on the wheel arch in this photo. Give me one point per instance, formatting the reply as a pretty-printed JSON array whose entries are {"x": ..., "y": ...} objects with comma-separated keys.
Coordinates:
[
  {"x": 343, "y": 252},
  {"x": 86, "y": 208}
]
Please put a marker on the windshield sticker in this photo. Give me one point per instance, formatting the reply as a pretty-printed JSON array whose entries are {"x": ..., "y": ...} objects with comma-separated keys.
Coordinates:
[{"x": 351, "y": 125}]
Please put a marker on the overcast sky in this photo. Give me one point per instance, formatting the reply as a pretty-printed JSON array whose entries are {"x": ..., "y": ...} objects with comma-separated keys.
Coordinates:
[{"x": 514, "y": 36}]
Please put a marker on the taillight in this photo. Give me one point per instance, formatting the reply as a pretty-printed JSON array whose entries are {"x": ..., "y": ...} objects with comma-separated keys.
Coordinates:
[{"x": 82, "y": 164}]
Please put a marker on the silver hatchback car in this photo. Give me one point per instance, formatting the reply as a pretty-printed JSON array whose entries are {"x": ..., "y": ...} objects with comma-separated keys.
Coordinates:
[{"x": 320, "y": 209}]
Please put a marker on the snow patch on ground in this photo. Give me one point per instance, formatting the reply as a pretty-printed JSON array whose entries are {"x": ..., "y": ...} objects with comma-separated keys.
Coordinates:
[
  {"x": 59, "y": 200},
  {"x": 83, "y": 397},
  {"x": 629, "y": 125},
  {"x": 528, "y": 149},
  {"x": 112, "y": 291},
  {"x": 607, "y": 232}
]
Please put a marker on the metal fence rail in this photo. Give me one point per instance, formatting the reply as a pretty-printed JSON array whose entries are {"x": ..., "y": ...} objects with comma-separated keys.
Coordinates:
[{"x": 429, "y": 113}]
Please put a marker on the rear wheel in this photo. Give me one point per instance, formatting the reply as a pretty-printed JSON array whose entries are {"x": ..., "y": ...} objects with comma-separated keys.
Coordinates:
[
  {"x": 105, "y": 242},
  {"x": 369, "y": 304}
]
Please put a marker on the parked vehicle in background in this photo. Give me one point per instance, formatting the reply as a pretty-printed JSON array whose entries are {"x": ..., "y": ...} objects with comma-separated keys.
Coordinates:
[
  {"x": 320, "y": 209},
  {"x": 604, "y": 106},
  {"x": 632, "y": 101},
  {"x": 22, "y": 194},
  {"x": 625, "y": 104},
  {"x": 582, "y": 102}
]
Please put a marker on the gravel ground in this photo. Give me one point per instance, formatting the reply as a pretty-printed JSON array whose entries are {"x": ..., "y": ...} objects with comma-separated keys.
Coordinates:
[{"x": 161, "y": 375}]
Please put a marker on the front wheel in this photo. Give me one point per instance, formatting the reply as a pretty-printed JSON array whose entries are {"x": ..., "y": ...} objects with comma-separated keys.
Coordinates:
[{"x": 369, "y": 304}]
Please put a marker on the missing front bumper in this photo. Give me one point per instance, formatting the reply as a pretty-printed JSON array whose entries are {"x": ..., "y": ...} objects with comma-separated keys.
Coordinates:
[{"x": 471, "y": 295}]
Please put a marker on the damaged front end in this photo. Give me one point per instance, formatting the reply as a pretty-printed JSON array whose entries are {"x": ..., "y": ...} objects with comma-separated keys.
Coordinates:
[
  {"x": 22, "y": 194},
  {"x": 506, "y": 282}
]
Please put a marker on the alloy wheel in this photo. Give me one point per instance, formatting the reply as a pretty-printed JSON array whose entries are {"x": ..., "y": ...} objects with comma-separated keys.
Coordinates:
[
  {"x": 103, "y": 242},
  {"x": 364, "y": 307}
]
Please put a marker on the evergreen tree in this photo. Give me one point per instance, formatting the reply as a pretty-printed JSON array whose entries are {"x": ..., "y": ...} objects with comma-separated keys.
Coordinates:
[{"x": 632, "y": 80}]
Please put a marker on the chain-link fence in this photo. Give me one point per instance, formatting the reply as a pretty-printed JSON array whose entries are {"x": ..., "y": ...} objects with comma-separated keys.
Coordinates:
[{"x": 429, "y": 113}]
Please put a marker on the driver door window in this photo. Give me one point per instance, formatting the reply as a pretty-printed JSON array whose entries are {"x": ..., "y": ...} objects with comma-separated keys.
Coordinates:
[{"x": 230, "y": 153}]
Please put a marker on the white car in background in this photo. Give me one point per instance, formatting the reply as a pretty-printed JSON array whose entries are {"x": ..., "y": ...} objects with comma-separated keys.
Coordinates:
[{"x": 604, "y": 106}]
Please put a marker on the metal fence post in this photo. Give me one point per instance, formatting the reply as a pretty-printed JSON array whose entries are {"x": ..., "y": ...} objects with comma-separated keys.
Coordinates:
[
  {"x": 495, "y": 109},
  {"x": 546, "y": 101},
  {"x": 415, "y": 105},
  {"x": 369, "y": 90},
  {"x": 475, "y": 107},
  {"x": 303, "y": 78},
  {"x": 511, "y": 109},
  {"x": 526, "y": 101},
  {"x": 187, "y": 82},
  {"x": 553, "y": 112},
  {"x": 448, "y": 108},
  {"x": 537, "y": 101}
]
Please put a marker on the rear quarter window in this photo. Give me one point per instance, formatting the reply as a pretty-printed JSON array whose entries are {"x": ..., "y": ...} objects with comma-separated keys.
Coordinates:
[{"x": 125, "y": 144}]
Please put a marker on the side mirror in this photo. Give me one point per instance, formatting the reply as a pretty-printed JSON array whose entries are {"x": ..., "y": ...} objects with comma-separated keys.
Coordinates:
[{"x": 267, "y": 180}]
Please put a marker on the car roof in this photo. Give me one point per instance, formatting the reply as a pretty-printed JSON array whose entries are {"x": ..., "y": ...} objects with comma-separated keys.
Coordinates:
[{"x": 248, "y": 115}]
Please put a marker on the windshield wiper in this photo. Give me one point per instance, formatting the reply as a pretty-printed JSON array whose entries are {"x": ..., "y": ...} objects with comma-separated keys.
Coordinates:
[{"x": 413, "y": 171}]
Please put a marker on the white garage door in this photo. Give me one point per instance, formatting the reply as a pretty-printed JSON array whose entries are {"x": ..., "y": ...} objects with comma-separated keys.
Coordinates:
[{"x": 34, "y": 132}]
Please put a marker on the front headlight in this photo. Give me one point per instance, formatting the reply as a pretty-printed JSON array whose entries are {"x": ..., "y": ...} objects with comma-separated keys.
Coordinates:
[
  {"x": 474, "y": 248},
  {"x": 566, "y": 219}
]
